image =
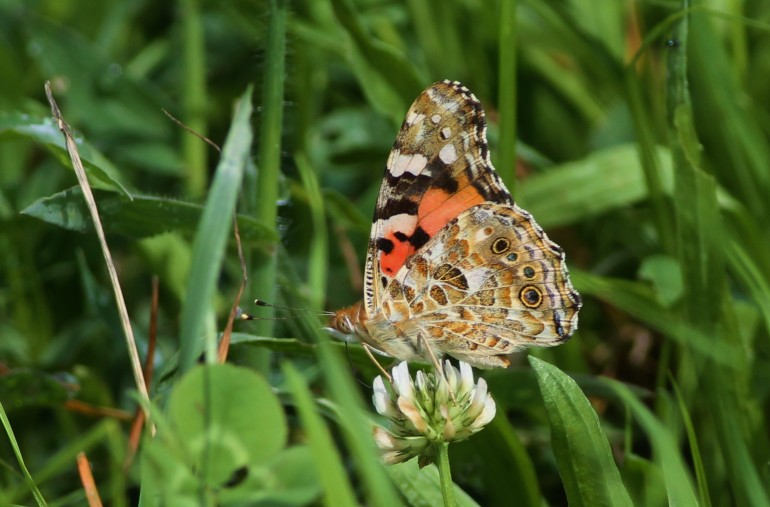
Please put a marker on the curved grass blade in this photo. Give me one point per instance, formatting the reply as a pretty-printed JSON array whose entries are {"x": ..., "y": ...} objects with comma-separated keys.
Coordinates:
[
  {"x": 678, "y": 482},
  {"x": 318, "y": 257},
  {"x": 692, "y": 439},
  {"x": 211, "y": 238},
  {"x": 638, "y": 300},
  {"x": 15, "y": 446},
  {"x": 331, "y": 471},
  {"x": 352, "y": 415}
]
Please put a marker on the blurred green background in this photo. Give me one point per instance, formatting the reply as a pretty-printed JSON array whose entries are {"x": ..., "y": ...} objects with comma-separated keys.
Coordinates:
[{"x": 641, "y": 146}]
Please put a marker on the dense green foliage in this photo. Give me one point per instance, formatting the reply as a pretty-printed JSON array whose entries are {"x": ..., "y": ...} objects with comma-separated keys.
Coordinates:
[{"x": 642, "y": 148}]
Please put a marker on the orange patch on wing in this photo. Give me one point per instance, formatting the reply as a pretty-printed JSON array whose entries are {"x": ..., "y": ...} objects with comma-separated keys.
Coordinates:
[
  {"x": 437, "y": 207},
  {"x": 391, "y": 262}
]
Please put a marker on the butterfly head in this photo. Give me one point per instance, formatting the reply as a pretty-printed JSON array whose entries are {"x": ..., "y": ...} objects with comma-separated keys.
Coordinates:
[{"x": 348, "y": 321}]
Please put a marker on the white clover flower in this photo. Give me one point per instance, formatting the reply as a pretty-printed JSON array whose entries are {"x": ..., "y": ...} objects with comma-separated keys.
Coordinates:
[{"x": 433, "y": 409}]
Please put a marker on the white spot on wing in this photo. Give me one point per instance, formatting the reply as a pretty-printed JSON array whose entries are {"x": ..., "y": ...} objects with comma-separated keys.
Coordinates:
[
  {"x": 403, "y": 222},
  {"x": 437, "y": 250},
  {"x": 446, "y": 132},
  {"x": 476, "y": 278},
  {"x": 481, "y": 235},
  {"x": 414, "y": 118},
  {"x": 407, "y": 163},
  {"x": 448, "y": 154},
  {"x": 435, "y": 118}
]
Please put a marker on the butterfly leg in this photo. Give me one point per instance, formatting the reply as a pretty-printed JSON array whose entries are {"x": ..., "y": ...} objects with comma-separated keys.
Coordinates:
[
  {"x": 437, "y": 364},
  {"x": 368, "y": 351}
]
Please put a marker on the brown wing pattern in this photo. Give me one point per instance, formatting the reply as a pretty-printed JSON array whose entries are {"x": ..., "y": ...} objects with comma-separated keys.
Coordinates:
[{"x": 488, "y": 284}]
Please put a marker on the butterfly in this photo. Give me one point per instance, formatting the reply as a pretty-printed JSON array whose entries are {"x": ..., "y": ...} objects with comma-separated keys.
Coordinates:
[{"x": 454, "y": 266}]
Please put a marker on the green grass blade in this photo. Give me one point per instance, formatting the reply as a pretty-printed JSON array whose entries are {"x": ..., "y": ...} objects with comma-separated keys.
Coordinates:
[
  {"x": 692, "y": 440},
  {"x": 318, "y": 257},
  {"x": 386, "y": 76},
  {"x": 740, "y": 149},
  {"x": 745, "y": 269},
  {"x": 582, "y": 451},
  {"x": 357, "y": 426},
  {"x": 194, "y": 97},
  {"x": 675, "y": 474},
  {"x": 331, "y": 471},
  {"x": 506, "y": 151},
  {"x": 353, "y": 418},
  {"x": 637, "y": 300},
  {"x": 16, "y": 451},
  {"x": 430, "y": 20},
  {"x": 707, "y": 303},
  {"x": 649, "y": 158},
  {"x": 212, "y": 235},
  {"x": 262, "y": 268},
  {"x": 602, "y": 181}
]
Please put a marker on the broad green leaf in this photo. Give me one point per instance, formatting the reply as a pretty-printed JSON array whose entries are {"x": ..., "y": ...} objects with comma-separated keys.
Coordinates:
[
  {"x": 138, "y": 217},
  {"x": 527, "y": 392},
  {"x": 288, "y": 479},
  {"x": 602, "y": 181},
  {"x": 582, "y": 451},
  {"x": 166, "y": 478},
  {"x": 228, "y": 418},
  {"x": 101, "y": 172},
  {"x": 422, "y": 486}
]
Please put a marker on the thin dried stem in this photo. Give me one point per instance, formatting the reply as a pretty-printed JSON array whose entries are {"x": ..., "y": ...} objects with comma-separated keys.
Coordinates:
[{"x": 80, "y": 172}]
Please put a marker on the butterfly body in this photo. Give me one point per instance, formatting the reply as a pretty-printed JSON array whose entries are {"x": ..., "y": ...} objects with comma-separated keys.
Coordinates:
[{"x": 453, "y": 264}]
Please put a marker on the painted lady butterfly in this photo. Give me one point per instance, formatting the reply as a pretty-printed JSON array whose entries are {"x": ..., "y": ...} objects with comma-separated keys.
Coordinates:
[{"x": 454, "y": 266}]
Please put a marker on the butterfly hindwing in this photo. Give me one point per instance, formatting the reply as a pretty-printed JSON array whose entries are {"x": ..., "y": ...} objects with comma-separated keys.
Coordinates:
[{"x": 489, "y": 283}]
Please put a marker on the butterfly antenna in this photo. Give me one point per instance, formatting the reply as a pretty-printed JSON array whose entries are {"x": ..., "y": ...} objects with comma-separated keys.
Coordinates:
[
  {"x": 265, "y": 304},
  {"x": 247, "y": 316}
]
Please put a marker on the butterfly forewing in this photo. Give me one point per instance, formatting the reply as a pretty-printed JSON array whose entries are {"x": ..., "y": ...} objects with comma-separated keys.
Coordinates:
[{"x": 439, "y": 167}]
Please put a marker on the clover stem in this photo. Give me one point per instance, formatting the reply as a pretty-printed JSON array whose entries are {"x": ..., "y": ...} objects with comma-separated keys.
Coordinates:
[{"x": 445, "y": 474}]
